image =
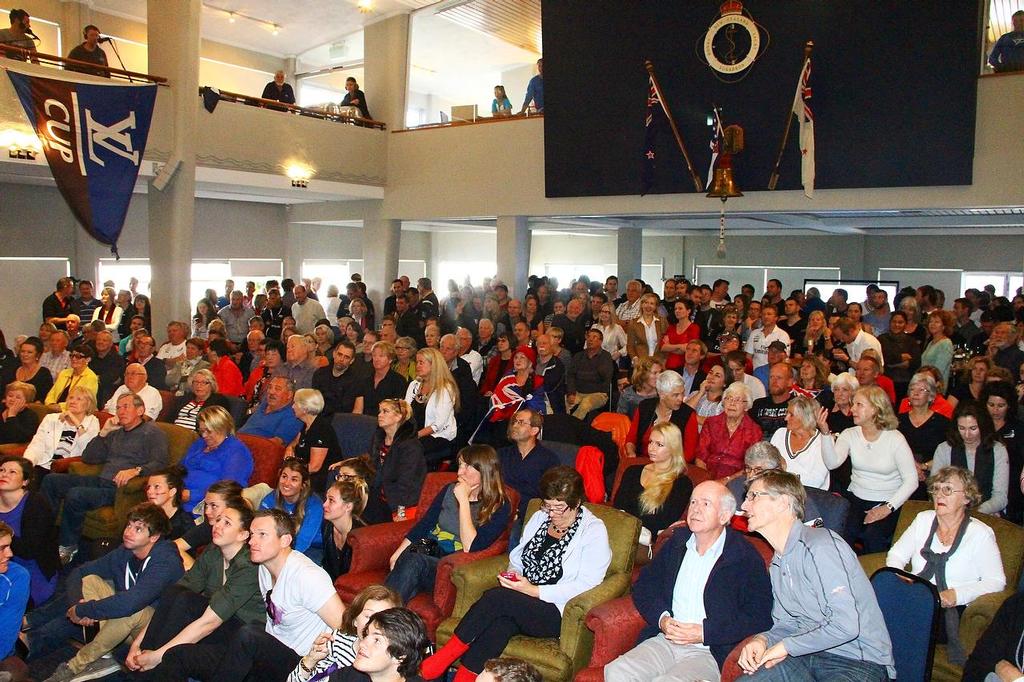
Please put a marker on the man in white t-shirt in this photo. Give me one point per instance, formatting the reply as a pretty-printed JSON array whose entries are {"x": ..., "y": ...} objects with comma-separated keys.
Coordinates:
[
  {"x": 760, "y": 339},
  {"x": 301, "y": 604},
  {"x": 173, "y": 352}
]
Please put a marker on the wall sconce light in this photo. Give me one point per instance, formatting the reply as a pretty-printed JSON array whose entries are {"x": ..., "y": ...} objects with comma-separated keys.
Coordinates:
[
  {"x": 299, "y": 175},
  {"x": 20, "y": 145}
]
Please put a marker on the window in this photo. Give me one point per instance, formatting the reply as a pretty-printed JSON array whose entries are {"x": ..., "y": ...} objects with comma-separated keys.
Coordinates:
[
  {"x": 122, "y": 271},
  {"x": 213, "y": 274},
  {"x": 336, "y": 272},
  {"x": 413, "y": 269},
  {"x": 208, "y": 275},
  {"x": 948, "y": 280},
  {"x": 758, "y": 275},
  {"x": 565, "y": 273},
  {"x": 460, "y": 271},
  {"x": 1005, "y": 283}
]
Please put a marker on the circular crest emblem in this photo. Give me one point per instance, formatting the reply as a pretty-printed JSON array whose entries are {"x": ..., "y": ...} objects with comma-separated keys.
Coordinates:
[{"x": 732, "y": 42}]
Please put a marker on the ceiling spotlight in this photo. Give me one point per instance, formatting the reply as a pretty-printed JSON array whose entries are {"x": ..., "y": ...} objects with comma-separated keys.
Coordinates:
[
  {"x": 275, "y": 29},
  {"x": 365, "y": 6},
  {"x": 231, "y": 17}
]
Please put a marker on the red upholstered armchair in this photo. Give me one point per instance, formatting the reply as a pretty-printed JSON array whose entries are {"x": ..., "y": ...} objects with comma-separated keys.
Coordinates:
[
  {"x": 617, "y": 624},
  {"x": 373, "y": 546},
  {"x": 267, "y": 456}
]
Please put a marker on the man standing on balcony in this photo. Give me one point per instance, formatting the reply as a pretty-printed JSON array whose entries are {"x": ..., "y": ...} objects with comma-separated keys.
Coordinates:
[
  {"x": 19, "y": 34},
  {"x": 535, "y": 90},
  {"x": 89, "y": 51},
  {"x": 278, "y": 90}
]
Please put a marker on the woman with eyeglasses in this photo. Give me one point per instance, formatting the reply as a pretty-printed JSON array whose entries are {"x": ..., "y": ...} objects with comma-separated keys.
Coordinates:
[
  {"x": 405, "y": 357},
  {"x": 724, "y": 438},
  {"x": 78, "y": 374},
  {"x": 564, "y": 551},
  {"x": 397, "y": 463},
  {"x": 165, "y": 489},
  {"x": 344, "y": 502},
  {"x": 337, "y": 650},
  {"x": 294, "y": 494},
  {"x": 217, "y": 455},
  {"x": 179, "y": 377},
  {"x": 956, "y": 553},
  {"x": 204, "y": 393},
  {"x": 466, "y": 516},
  {"x": 216, "y": 597},
  {"x": 972, "y": 444}
]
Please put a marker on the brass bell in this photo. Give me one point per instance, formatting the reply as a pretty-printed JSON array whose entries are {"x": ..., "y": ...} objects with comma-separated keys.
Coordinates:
[{"x": 723, "y": 186}]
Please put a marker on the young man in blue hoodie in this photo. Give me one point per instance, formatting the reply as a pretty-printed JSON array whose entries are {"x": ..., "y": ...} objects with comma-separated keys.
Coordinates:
[{"x": 116, "y": 592}]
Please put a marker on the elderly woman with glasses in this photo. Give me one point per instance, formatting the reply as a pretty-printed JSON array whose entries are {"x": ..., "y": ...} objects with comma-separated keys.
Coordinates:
[
  {"x": 204, "y": 393},
  {"x": 216, "y": 456},
  {"x": 564, "y": 551},
  {"x": 726, "y": 436},
  {"x": 405, "y": 357},
  {"x": 78, "y": 374},
  {"x": 956, "y": 553}
]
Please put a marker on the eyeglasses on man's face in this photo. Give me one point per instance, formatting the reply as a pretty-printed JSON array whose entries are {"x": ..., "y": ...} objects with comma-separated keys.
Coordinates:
[{"x": 754, "y": 494}]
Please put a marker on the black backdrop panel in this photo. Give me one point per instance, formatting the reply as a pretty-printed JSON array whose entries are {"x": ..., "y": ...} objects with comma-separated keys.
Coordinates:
[{"x": 894, "y": 92}]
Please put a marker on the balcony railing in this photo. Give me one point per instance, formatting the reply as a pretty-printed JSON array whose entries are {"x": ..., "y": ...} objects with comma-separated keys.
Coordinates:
[
  {"x": 23, "y": 55},
  {"x": 327, "y": 114}
]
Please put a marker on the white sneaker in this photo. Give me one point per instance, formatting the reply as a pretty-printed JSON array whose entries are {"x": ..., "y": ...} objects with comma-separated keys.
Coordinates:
[
  {"x": 67, "y": 554},
  {"x": 99, "y": 668}
]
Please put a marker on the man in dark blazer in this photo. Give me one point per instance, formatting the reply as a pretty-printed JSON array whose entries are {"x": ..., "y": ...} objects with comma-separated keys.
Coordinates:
[{"x": 705, "y": 592}]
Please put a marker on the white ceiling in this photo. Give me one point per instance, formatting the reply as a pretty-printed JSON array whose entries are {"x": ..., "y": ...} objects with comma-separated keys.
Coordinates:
[{"x": 305, "y": 24}]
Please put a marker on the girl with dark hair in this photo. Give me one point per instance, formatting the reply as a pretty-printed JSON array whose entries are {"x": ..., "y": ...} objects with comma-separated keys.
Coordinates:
[
  {"x": 30, "y": 515},
  {"x": 164, "y": 489},
  {"x": 972, "y": 445},
  {"x": 294, "y": 494},
  {"x": 141, "y": 306},
  {"x": 1000, "y": 400},
  {"x": 338, "y": 649},
  {"x": 564, "y": 552},
  {"x": 216, "y": 499},
  {"x": 109, "y": 312},
  {"x": 466, "y": 516}
]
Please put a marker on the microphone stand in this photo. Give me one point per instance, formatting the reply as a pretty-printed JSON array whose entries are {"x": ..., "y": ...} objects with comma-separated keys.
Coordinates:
[{"x": 117, "y": 54}]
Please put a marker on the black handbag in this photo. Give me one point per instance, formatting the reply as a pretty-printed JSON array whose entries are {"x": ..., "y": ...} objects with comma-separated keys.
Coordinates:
[{"x": 427, "y": 546}]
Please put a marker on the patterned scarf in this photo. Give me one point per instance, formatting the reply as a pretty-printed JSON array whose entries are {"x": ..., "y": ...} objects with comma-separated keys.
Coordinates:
[{"x": 545, "y": 568}]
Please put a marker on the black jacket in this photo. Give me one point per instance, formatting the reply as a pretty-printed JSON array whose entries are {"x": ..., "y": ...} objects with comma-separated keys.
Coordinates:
[{"x": 737, "y": 596}]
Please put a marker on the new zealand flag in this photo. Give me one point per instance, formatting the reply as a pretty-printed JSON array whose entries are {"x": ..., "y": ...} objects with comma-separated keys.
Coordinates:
[{"x": 93, "y": 136}]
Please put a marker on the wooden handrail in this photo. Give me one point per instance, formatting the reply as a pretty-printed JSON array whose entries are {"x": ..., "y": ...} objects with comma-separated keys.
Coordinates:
[
  {"x": 292, "y": 108},
  {"x": 480, "y": 120},
  {"x": 42, "y": 57}
]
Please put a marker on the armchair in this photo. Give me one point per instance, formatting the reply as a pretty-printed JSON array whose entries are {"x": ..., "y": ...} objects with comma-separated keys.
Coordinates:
[
  {"x": 979, "y": 614},
  {"x": 107, "y": 522},
  {"x": 372, "y": 546},
  {"x": 557, "y": 659},
  {"x": 267, "y": 456}
]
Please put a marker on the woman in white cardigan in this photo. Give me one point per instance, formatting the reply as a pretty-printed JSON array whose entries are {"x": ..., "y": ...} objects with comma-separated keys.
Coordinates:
[
  {"x": 564, "y": 552},
  {"x": 65, "y": 434},
  {"x": 956, "y": 553},
  {"x": 434, "y": 398}
]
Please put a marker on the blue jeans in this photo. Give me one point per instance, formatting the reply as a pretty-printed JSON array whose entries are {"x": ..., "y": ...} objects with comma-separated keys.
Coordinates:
[
  {"x": 413, "y": 573},
  {"x": 821, "y": 666},
  {"x": 80, "y": 494},
  {"x": 51, "y": 628}
]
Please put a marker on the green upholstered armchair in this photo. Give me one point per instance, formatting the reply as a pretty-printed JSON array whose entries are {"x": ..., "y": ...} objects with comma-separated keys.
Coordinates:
[
  {"x": 979, "y": 613},
  {"x": 557, "y": 659},
  {"x": 108, "y": 522}
]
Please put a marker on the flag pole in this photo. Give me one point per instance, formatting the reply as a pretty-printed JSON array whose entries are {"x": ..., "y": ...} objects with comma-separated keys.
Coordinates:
[
  {"x": 697, "y": 184},
  {"x": 773, "y": 180}
]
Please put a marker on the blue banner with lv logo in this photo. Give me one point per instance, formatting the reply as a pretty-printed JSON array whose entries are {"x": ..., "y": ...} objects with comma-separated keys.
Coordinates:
[{"x": 94, "y": 136}]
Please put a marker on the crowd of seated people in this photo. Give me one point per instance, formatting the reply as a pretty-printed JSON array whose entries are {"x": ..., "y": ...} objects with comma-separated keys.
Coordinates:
[{"x": 876, "y": 407}]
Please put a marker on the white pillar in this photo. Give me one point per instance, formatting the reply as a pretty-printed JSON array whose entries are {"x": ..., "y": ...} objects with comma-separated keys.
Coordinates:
[
  {"x": 630, "y": 243},
  {"x": 173, "y": 27},
  {"x": 381, "y": 242},
  {"x": 513, "y": 253},
  {"x": 386, "y": 69}
]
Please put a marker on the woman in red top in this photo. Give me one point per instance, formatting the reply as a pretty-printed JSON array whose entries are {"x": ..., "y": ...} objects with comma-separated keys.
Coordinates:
[
  {"x": 229, "y": 377},
  {"x": 725, "y": 437},
  {"x": 498, "y": 366},
  {"x": 673, "y": 344}
]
